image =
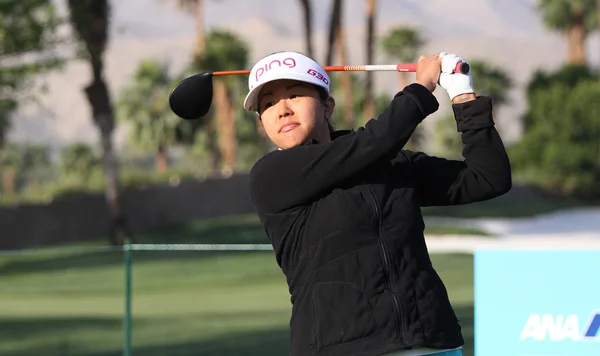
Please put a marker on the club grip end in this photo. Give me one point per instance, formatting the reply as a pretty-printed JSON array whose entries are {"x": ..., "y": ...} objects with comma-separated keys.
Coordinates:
[{"x": 462, "y": 67}]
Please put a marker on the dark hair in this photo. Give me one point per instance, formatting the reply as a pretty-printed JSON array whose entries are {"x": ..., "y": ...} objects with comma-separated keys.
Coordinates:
[{"x": 323, "y": 95}]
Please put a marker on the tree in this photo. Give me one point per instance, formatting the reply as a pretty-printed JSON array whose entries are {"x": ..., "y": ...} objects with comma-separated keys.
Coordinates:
[
  {"x": 197, "y": 8},
  {"x": 358, "y": 102},
  {"x": 402, "y": 44},
  {"x": 369, "y": 108},
  {"x": 560, "y": 147},
  {"x": 10, "y": 160},
  {"x": 307, "y": 17},
  {"x": 575, "y": 19},
  {"x": 447, "y": 140},
  {"x": 7, "y": 107},
  {"x": 336, "y": 43},
  {"x": 488, "y": 80},
  {"x": 226, "y": 51},
  {"x": 210, "y": 122},
  {"x": 36, "y": 165},
  {"x": 90, "y": 20},
  {"x": 492, "y": 81},
  {"x": 78, "y": 162},
  {"x": 335, "y": 24},
  {"x": 145, "y": 105},
  {"x": 28, "y": 39},
  {"x": 23, "y": 165}
]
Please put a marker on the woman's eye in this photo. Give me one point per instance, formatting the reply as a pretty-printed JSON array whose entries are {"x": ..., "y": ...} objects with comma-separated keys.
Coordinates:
[{"x": 268, "y": 105}]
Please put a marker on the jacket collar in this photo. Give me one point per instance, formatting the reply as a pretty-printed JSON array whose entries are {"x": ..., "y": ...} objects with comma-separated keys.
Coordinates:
[{"x": 334, "y": 135}]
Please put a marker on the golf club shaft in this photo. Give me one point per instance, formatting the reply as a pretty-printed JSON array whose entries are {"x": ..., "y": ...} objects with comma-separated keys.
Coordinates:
[{"x": 410, "y": 67}]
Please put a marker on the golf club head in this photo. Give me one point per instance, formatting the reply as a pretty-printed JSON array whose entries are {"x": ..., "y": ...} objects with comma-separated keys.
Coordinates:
[{"x": 192, "y": 97}]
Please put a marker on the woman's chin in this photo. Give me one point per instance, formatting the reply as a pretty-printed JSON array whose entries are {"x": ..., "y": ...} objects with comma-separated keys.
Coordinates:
[{"x": 289, "y": 140}]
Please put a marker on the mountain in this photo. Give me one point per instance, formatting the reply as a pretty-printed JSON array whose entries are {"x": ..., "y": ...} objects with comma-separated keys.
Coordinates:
[{"x": 508, "y": 33}]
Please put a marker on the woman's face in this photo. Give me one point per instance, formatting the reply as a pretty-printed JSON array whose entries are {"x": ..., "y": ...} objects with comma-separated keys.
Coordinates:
[{"x": 292, "y": 112}]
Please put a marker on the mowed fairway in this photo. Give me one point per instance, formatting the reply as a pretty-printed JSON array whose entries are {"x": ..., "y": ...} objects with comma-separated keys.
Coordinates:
[{"x": 184, "y": 303}]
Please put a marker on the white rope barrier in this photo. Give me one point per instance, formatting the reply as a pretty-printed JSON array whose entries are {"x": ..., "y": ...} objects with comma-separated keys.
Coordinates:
[{"x": 199, "y": 247}]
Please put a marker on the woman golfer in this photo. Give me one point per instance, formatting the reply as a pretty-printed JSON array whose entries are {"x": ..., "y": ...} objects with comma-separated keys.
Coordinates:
[{"x": 342, "y": 208}]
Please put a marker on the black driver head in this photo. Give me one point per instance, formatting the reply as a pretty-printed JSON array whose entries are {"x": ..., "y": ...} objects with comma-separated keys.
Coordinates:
[{"x": 192, "y": 97}]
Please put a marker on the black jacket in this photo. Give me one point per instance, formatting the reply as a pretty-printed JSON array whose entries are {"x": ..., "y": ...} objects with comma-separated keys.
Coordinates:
[{"x": 345, "y": 222}]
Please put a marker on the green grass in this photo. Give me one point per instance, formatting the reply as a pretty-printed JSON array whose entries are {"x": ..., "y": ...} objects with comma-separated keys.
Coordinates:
[{"x": 184, "y": 303}]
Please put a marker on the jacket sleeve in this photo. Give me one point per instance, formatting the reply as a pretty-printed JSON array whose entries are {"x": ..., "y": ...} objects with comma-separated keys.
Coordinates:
[
  {"x": 285, "y": 179},
  {"x": 485, "y": 172}
]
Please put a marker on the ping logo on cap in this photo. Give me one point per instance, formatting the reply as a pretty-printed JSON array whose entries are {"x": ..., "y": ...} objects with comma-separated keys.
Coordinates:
[{"x": 288, "y": 62}]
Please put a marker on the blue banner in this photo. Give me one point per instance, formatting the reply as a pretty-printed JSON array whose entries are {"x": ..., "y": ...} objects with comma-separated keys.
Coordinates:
[{"x": 537, "y": 303}]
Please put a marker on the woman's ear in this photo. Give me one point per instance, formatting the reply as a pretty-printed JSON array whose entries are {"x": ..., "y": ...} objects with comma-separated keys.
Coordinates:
[
  {"x": 260, "y": 127},
  {"x": 329, "y": 106}
]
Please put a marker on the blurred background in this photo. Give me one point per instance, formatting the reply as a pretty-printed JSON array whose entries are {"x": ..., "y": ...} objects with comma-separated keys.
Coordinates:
[{"x": 91, "y": 157}]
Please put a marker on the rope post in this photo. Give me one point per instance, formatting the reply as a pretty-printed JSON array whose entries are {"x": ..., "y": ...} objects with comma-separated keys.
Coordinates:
[{"x": 127, "y": 317}]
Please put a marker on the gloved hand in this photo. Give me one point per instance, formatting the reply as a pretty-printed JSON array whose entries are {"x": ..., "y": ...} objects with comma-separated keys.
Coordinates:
[{"x": 454, "y": 83}]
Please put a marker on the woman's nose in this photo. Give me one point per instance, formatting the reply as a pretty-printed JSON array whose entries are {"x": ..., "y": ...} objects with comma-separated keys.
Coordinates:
[{"x": 283, "y": 108}]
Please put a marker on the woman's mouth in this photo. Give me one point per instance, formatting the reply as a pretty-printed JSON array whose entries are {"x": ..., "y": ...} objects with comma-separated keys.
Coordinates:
[{"x": 288, "y": 127}]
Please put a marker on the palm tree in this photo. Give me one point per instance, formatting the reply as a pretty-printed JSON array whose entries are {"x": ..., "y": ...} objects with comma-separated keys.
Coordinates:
[
  {"x": 336, "y": 42},
  {"x": 145, "y": 105},
  {"x": 307, "y": 14},
  {"x": 447, "y": 141},
  {"x": 491, "y": 81},
  {"x": 226, "y": 51},
  {"x": 357, "y": 101},
  {"x": 36, "y": 164},
  {"x": 370, "y": 39},
  {"x": 22, "y": 163},
  {"x": 7, "y": 107},
  {"x": 335, "y": 19},
  {"x": 28, "y": 36},
  {"x": 488, "y": 80},
  {"x": 90, "y": 20},
  {"x": 402, "y": 44},
  {"x": 575, "y": 19},
  {"x": 10, "y": 160},
  {"x": 197, "y": 7},
  {"x": 77, "y": 163}
]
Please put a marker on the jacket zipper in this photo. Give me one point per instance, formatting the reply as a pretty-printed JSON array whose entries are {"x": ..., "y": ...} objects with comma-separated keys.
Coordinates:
[{"x": 399, "y": 312}]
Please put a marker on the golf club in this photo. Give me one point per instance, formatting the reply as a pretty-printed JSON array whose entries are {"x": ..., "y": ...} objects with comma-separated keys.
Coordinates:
[{"x": 192, "y": 97}]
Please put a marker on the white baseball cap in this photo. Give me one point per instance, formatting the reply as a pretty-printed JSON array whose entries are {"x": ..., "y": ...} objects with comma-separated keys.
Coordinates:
[{"x": 283, "y": 65}]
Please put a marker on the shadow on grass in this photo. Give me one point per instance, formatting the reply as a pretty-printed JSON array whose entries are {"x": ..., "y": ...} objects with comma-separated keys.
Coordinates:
[
  {"x": 244, "y": 229},
  {"x": 22, "y": 328},
  {"x": 56, "y": 332},
  {"x": 264, "y": 342}
]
